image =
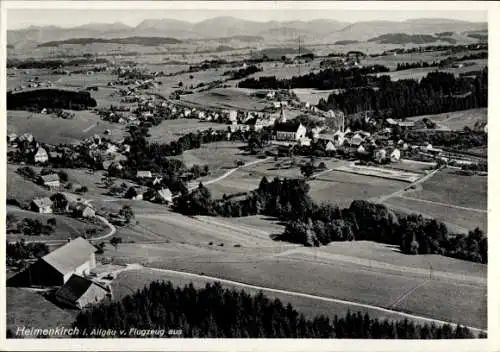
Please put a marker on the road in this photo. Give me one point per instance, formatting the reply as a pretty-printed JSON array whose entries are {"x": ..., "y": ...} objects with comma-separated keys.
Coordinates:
[
  {"x": 306, "y": 295},
  {"x": 228, "y": 173}
]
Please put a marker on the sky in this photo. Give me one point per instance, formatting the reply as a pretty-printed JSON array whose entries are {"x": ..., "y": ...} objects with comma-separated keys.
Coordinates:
[{"x": 22, "y": 18}]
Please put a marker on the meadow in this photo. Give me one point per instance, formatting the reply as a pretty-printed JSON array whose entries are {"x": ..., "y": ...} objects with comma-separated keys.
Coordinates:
[
  {"x": 225, "y": 98},
  {"x": 65, "y": 228},
  {"x": 172, "y": 130},
  {"x": 31, "y": 310},
  {"x": 452, "y": 188},
  {"x": 54, "y": 130},
  {"x": 457, "y": 220},
  {"x": 341, "y": 188},
  {"x": 456, "y": 120}
]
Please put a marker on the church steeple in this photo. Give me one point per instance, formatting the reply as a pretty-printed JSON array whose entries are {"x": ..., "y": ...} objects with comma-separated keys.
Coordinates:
[{"x": 282, "y": 114}]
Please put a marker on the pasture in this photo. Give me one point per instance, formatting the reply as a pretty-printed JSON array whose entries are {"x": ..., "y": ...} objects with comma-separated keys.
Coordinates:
[
  {"x": 54, "y": 130},
  {"x": 456, "y": 120},
  {"x": 32, "y": 310},
  {"x": 312, "y": 96},
  {"x": 342, "y": 188},
  {"x": 171, "y": 130},
  {"x": 452, "y": 188},
  {"x": 390, "y": 174},
  {"x": 457, "y": 219},
  {"x": 361, "y": 272},
  {"x": 65, "y": 226},
  {"x": 128, "y": 282},
  {"x": 21, "y": 189}
]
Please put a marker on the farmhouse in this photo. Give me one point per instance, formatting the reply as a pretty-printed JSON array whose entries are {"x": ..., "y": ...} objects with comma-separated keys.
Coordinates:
[
  {"x": 82, "y": 210},
  {"x": 79, "y": 292},
  {"x": 41, "y": 205},
  {"x": 41, "y": 156},
  {"x": 395, "y": 155},
  {"x": 56, "y": 268},
  {"x": 51, "y": 180},
  {"x": 144, "y": 174},
  {"x": 290, "y": 131}
]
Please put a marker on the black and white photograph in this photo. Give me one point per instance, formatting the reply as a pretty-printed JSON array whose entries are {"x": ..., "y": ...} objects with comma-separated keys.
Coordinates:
[{"x": 251, "y": 170}]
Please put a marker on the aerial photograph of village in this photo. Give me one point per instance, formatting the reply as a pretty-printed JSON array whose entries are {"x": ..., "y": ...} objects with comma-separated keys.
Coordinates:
[{"x": 246, "y": 174}]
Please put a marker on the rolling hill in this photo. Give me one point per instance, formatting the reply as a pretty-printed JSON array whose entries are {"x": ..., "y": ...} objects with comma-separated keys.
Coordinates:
[{"x": 321, "y": 30}]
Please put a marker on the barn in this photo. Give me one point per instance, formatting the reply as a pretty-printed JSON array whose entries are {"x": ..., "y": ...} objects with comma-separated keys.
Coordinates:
[
  {"x": 75, "y": 257},
  {"x": 79, "y": 292}
]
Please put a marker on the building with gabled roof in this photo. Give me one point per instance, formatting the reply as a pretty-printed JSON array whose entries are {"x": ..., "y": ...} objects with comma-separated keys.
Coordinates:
[
  {"x": 51, "y": 180},
  {"x": 80, "y": 292},
  {"x": 41, "y": 205},
  {"x": 55, "y": 269},
  {"x": 41, "y": 156}
]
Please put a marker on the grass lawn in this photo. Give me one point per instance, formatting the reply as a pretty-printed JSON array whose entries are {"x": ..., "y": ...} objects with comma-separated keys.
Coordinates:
[
  {"x": 172, "y": 130},
  {"x": 451, "y": 188},
  {"x": 30, "y": 309},
  {"x": 53, "y": 130}
]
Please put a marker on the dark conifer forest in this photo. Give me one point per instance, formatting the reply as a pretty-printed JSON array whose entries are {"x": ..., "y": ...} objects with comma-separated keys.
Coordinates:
[{"x": 214, "y": 312}]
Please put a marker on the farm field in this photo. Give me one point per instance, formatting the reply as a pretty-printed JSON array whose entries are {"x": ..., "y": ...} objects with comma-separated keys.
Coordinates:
[
  {"x": 312, "y": 96},
  {"x": 361, "y": 272},
  {"x": 171, "y": 130},
  {"x": 336, "y": 279},
  {"x": 65, "y": 226},
  {"x": 225, "y": 98},
  {"x": 80, "y": 80},
  {"x": 451, "y": 188},
  {"x": 48, "y": 129},
  {"x": 128, "y": 282},
  {"x": 30, "y": 309},
  {"x": 418, "y": 73},
  {"x": 409, "y": 166},
  {"x": 342, "y": 188},
  {"x": 458, "y": 220},
  {"x": 457, "y": 120},
  {"x": 386, "y": 173}
]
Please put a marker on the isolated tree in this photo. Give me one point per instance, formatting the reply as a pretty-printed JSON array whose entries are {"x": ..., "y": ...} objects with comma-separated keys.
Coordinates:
[
  {"x": 131, "y": 193},
  {"x": 52, "y": 222},
  {"x": 307, "y": 170},
  {"x": 59, "y": 202},
  {"x": 127, "y": 212},
  {"x": 115, "y": 241}
]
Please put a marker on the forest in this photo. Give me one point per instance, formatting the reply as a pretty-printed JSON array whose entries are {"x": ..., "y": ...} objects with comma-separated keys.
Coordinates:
[
  {"x": 215, "y": 312},
  {"x": 438, "y": 92},
  {"x": 312, "y": 224},
  {"x": 325, "y": 79}
]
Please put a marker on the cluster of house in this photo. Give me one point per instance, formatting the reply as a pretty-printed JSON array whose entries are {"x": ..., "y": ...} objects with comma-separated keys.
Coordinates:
[
  {"x": 74, "y": 205},
  {"x": 69, "y": 270},
  {"x": 112, "y": 154}
]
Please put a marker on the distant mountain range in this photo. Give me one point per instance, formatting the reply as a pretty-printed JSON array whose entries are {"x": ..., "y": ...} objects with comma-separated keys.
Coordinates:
[{"x": 322, "y": 30}]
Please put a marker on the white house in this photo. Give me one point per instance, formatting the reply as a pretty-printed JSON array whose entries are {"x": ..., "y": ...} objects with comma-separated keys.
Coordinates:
[
  {"x": 357, "y": 139},
  {"x": 361, "y": 149},
  {"x": 233, "y": 116},
  {"x": 144, "y": 174},
  {"x": 330, "y": 147},
  {"x": 41, "y": 156},
  {"x": 395, "y": 155},
  {"x": 51, "y": 180},
  {"x": 41, "y": 205},
  {"x": 290, "y": 132},
  {"x": 380, "y": 155}
]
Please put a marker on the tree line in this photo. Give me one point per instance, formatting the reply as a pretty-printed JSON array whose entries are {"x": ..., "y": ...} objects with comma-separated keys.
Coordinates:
[
  {"x": 325, "y": 79},
  {"x": 243, "y": 72},
  {"x": 314, "y": 224},
  {"x": 437, "y": 92},
  {"x": 449, "y": 60},
  {"x": 215, "y": 312}
]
